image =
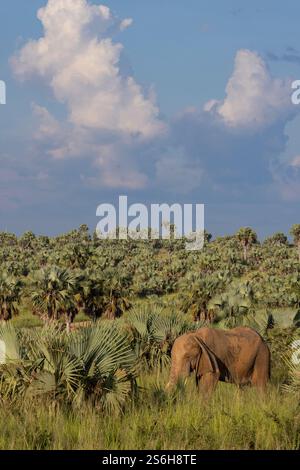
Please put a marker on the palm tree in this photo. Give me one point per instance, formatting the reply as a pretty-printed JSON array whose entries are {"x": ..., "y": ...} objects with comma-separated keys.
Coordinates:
[
  {"x": 197, "y": 296},
  {"x": 295, "y": 232},
  {"x": 154, "y": 333},
  {"x": 27, "y": 240},
  {"x": 233, "y": 305},
  {"x": 207, "y": 237},
  {"x": 75, "y": 255},
  {"x": 96, "y": 364},
  {"x": 295, "y": 292},
  {"x": 116, "y": 294},
  {"x": 53, "y": 296},
  {"x": 91, "y": 296},
  {"x": 10, "y": 293},
  {"x": 278, "y": 239},
  {"x": 246, "y": 237}
]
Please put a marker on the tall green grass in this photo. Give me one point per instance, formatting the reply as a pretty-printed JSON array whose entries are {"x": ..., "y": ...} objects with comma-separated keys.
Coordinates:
[{"x": 232, "y": 419}]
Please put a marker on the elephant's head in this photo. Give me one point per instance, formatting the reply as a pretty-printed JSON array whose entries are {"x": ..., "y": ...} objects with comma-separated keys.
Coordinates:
[{"x": 190, "y": 353}]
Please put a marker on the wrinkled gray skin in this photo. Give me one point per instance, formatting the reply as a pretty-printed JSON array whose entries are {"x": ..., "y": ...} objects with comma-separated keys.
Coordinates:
[{"x": 238, "y": 356}]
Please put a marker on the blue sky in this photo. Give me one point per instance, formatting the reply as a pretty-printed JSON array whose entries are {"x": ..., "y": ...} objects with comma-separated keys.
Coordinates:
[{"x": 195, "y": 107}]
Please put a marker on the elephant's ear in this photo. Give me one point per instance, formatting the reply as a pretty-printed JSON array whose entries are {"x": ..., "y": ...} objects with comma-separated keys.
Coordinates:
[{"x": 207, "y": 361}]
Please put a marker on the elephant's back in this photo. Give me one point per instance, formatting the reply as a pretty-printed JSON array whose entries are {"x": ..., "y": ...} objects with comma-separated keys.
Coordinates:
[
  {"x": 232, "y": 343},
  {"x": 247, "y": 332}
]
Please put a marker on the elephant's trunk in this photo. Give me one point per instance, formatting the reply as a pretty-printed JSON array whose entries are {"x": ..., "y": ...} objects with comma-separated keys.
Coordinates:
[
  {"x": 179, "y": 370},
  {"x": 174, "y": 373},
  {"x": 173, "y": 377}
]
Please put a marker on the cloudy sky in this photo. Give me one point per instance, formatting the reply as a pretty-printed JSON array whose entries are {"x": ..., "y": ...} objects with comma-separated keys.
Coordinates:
[{"x": 163, "y": 101}]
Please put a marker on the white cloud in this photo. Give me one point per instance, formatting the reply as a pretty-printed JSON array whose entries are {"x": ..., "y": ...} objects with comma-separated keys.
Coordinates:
[
  {"x": 254, "y": 98},
  {"x": 296, "y": 162},
  {"x": 116, "y": 129},
  {"x": 48, "y": 126},
  {"x": 60, "y": 139},
  {"x": 79, "y": 60},
  {"x": 126, "y": 23},
  {"x": 211, "y": 104}
]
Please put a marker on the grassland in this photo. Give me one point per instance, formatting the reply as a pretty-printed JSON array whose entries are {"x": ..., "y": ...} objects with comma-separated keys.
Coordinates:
[
  {"x": 232, "y": 419},
  {"x": 222, "y": 285}
]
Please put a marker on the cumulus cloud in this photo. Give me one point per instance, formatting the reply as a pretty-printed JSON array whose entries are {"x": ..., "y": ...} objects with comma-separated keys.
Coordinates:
[
  {"x": 79, "y": 60},
  {"x": 233, "y": 164},
  {"x": 236, "y": 144},
  {"x": 254, "y": 99},
  {"x": 60, "y": 139},
  {"x": 114, "y": 133},
  {"x": 112, "y": 161}
]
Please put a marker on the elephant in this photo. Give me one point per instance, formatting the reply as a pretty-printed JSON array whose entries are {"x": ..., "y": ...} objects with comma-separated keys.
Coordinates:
[{"x": 239, "y": 356}]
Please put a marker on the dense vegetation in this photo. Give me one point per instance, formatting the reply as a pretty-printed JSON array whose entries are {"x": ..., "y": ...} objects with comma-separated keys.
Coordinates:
[{"x": 59, "y": 382}]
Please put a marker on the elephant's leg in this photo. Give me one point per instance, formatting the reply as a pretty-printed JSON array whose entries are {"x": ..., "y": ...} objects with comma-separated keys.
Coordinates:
[
  {"x": 261, "y": 370},
  {"x": 208, "y": 382}
]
